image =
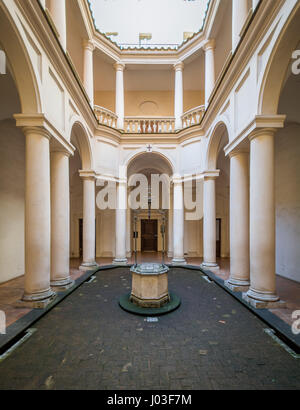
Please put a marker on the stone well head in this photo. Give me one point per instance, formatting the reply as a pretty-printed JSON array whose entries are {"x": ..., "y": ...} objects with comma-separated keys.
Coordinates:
[{"x": 150, "y": 285}]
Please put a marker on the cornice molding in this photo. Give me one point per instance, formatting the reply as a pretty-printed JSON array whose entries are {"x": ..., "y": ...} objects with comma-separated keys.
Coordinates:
[
  {"x": 213, "y": 174},
  {"x": 41, "y": 123},
  {"x": 257, "y": 125}
]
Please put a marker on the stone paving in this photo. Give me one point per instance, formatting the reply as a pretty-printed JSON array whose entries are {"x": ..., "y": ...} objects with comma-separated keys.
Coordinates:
[{"x": 210, "y": 342}]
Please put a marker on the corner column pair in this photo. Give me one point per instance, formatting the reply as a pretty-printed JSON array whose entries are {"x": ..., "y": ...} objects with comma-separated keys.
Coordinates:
[
  {"x": 252, "y": 222},
  {"x": 46, "y": 221}
]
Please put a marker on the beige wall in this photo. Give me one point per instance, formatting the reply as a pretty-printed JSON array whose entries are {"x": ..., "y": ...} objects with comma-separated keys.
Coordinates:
[
  {"x": 222, "y": 202},
  {"x": 139, "y": 103},
  {"x": 12, "y": 201},
  {"x": 287, "y": 191}
]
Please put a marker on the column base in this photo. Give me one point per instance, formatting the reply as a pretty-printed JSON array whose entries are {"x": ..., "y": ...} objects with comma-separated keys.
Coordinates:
[
  {"x": 38, "y": 300},
  {"x": 260, "y": 300},
  {"x": 120, "y": 261},
  {"x": 237, "y": 285},
  {"x": 88, "y": 266},
  {"x": 210, "y": 265},
  {"x": 178, "y": 261},
  {"x": 62, "y": 284}
]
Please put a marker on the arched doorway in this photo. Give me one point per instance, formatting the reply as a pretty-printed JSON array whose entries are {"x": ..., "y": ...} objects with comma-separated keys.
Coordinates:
[
  {"x": 216, "y": 198},
  {"x": 12, "y": 182},
  {"x": 155, "y": 210},
  {"x": 82, "y": 199}
]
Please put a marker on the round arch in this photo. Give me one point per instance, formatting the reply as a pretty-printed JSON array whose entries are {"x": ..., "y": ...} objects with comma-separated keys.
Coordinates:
[
  {"x": 220, "y": 127},
  {"x": 278, "y": 64},
  {"x": 79, "y": 137},
  {"x": 134, "y": 155},
  {"x": 19, "y": 62}
]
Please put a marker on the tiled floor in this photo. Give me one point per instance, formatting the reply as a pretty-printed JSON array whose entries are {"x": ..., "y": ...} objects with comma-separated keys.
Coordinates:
[
  {"x": 210, "y": 343},
  {"x": 11, "y": 292}
]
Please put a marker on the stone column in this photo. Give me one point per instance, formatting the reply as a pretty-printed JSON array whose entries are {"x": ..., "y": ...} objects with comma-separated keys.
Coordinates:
[
  {"x": 120, "y": 258},
  {"x": 239, "y": 222},
  {"x": 128, "y": 233},
  {"x": 262, "y": 290},
  {"x": 119, "y": 67},
  {"x": 209, "y": 69},
  {"x": 170, "y": 232},
  {"x": 60, "y": 220},
  {"x": 58, "y": 14},
  {"x": 209, "y": 220},
  {"x": 239, "y": 16},
  {"x": 178, "y": 95},
  {"x": 37, "y": 291},
  {"x": 89, "y": 223},
  {"x": 178, "y": 223},
  {"x": 88, "y": 69}
]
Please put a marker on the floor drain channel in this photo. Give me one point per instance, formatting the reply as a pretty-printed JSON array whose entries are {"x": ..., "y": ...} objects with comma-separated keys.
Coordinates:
[
  {"x": 206, "y": 278},
  {"x": 12, "y": 348},
  {"x": 271, "y": 333},
  {"x": 91, "y": 279}
]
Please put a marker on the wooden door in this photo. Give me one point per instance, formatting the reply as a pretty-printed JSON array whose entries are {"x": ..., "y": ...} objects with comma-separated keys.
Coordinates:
[{"x": 149, "y": 235}]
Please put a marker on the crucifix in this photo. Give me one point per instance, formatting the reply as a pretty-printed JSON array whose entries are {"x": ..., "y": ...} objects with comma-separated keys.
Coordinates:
[{"x": 149, "y": 148}]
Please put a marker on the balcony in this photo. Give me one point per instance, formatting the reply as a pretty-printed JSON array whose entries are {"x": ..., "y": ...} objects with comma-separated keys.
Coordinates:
[
  {"x": 193, "y": 116},
  {"x": 105, "y": 116},
  {"x": 149, "y": 124}
]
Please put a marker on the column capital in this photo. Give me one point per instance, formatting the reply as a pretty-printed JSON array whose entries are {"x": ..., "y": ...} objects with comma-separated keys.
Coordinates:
[
  {"x": 87, "y": 174},
  {"x": 178, "y": 66},
  {"x": 211, "y": 174},
  {"x": 119, "y": 66},
  {"x": 88, "y": 45},
  {"x": 238, "y": 151},
  {"x": 261, "y": 131},
  {"x": 36, "y": 130},
  {"x": 176, "y": 179},
  {"x": 61, "y": 150},
  {"x": 209, "y": 45}
]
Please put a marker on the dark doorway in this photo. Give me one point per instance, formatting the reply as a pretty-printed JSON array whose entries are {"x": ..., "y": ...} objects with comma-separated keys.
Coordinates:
[
  {"x": 218, "y": 238},
  {"x": 149, "y": 235}
]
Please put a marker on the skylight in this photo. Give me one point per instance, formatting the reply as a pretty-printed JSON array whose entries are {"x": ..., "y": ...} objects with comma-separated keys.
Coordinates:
[{"x": 149, "y": 23}]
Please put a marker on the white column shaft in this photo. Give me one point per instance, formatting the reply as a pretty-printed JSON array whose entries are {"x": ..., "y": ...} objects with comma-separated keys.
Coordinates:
[
  {"x": 128, "y": 232},
  {"x": 88, "y": 70},
  {"x": 239, "y": 15},
  {"x": 37, "y": 216},
  {"x": 209, "y": 222},
  {"x": 120, "y": 95},
  {"x": 209, "y": 71},
  {"x": 262, "y": 217},
  {"x": 121, "y": 223},
  {"x": 60, "y": 219},
  {"x": 239, "y": 219},
  {"x": 178, "y": 224},
  {"x": 88, "y": 222},
  {"x": 170, "y": 231},
  {"x": 178, "y": 95},
  {"x": 58, "y": 14}
]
